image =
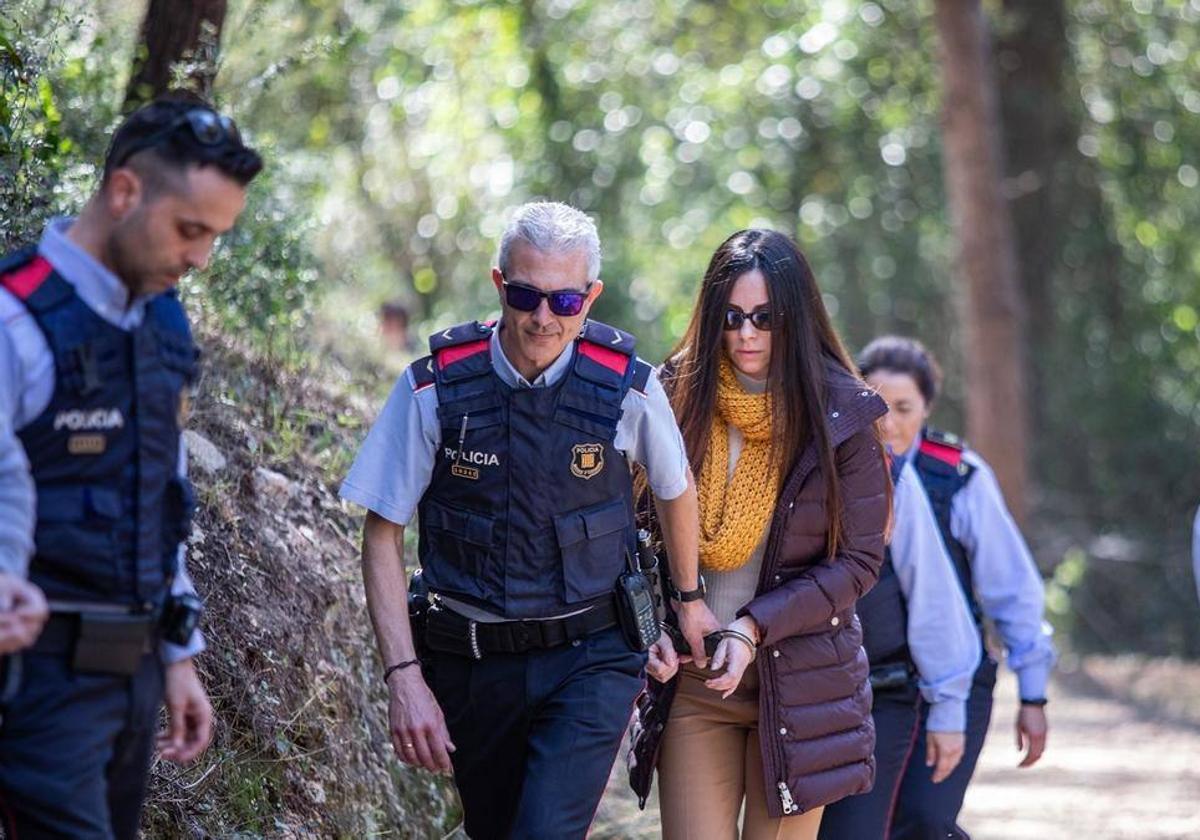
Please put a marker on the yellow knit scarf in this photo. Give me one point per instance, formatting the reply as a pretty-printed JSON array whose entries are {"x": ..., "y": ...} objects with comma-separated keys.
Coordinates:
[{"x": 734, "y": 512}]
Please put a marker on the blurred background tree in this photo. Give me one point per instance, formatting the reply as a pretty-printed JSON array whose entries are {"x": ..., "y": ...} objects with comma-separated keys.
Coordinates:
[{"x": 398, "y": 133}]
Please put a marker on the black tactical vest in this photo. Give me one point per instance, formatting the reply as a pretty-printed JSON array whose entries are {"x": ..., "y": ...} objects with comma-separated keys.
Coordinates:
[
  {"x": 883, "y": 612},
  {"x": 111, "y": 507},
  {"x": 939, "y": 462},
  {"x": 529, "y": 511}
]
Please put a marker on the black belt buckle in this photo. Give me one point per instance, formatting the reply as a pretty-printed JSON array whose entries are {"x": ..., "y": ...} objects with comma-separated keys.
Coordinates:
[{"x": 110, "y": 643}]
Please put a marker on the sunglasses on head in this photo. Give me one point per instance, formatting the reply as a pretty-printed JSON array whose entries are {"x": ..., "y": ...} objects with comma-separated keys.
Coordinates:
[
  {"x": 760, "y": 318},
  {"x": 207, "y": 126},
  {"x": 565, "y": 302}
]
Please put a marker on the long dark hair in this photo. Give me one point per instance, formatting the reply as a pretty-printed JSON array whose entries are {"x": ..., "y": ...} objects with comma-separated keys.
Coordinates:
[{"x": 803, "y": 344}]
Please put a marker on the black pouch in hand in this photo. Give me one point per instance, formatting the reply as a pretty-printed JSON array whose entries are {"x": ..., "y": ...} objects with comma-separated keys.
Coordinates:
[{"x": 635, "y": 610}]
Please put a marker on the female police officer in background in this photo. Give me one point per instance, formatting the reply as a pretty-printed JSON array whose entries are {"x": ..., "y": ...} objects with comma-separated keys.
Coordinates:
[
  {"x": 794, "y": 502},
  {"x": 994, "y": 566},
  {"x": 922, "y": 644}
]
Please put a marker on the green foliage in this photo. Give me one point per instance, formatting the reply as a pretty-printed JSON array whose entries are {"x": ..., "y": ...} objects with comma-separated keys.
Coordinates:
[
  {"x": 399, "y": 134},
  {"x": 31, "y": 147},
  {"x": 262, "y": 283}
]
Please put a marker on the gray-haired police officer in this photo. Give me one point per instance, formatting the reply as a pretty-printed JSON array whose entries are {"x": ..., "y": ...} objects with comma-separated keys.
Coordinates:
[
  {"x": 513, "y": 442},
  {"x": 95, "y": 355}
]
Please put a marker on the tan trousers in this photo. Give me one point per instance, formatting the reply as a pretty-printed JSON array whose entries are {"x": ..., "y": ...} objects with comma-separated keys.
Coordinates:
[{"x": 711, "y": 763}]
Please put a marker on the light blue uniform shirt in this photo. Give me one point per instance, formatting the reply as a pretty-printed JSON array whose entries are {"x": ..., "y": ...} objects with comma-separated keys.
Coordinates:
[
  {"x": 942, "y": 637},
  {"x": 1007, "y": 583},
  {"x": 27, "y": 385},
  {"x": 1196, "y": 550},
  {"x": 395, "y": 465}
]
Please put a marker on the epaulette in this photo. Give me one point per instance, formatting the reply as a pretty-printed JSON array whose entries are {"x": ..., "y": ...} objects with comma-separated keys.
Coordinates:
[
  {"x": 422, "y": 373},
  {"x": 607, "y": 346},
  {"x": 610, "y": 338},
  {"x": 459, "y": 342},
  {"x": 23, "y": 272},
  {"x": 942, "y": 446}
]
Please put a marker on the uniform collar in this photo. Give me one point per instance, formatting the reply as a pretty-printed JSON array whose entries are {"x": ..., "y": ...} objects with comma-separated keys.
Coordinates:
[
  {"x": 102, "y": 291},
  {"x": 510, "y": 376}
]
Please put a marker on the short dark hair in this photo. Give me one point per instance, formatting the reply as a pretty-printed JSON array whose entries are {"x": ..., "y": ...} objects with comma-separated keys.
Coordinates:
[
  {"x": 178, "y": 148},
  {"x": 903, "y": 355}
]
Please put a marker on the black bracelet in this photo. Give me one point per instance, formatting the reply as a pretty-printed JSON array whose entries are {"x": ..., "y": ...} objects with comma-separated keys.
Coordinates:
[
  {"x": 1036, "y": 701},
  {"x": 399, "y": 666}
]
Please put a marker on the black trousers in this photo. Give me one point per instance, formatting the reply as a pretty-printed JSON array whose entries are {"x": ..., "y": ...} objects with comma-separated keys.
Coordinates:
[
  {"x": 75, "y": 750},
  {"x": 867, "y": 816},
  {"x": 537, "y": 733},
  {"x": 930, "y": 812}
]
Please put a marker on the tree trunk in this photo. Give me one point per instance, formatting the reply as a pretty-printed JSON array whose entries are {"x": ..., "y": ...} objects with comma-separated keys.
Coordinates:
[
  {"x": 177, "y": 48},
  {"x": 1040, "y": 151},
  {"x": 991, "y": 303}
]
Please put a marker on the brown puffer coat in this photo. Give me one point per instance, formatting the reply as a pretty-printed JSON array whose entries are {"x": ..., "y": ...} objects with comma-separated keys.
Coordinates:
[{"x": 815, "y": 700}]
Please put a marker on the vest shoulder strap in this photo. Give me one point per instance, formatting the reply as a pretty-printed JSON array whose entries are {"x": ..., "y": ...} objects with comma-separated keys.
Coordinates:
[
  {"x": 942, "y": 447},
  {"x": 597, "y": 334},
  {"x": 422, "y": 373},
  {"x": 606, "y": 355},
  {"x": 461, "y": 351},
  {"x": 24, "y": 275},
  {"x": 459, "y": 342}
]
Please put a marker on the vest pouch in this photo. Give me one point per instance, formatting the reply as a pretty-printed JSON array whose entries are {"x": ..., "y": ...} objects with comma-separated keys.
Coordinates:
[
  {"x": 462, "y": 541},
  {"x": 76, "y": 536},
  {"x": 592, "y": 544}
]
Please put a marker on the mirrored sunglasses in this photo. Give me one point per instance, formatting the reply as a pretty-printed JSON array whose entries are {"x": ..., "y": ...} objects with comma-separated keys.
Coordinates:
[
  {"x": 566, "y": 302},
  {"x": 207, "y": 126}
]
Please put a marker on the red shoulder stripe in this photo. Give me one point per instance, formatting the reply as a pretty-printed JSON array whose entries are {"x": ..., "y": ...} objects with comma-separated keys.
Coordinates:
[
  {"x": 611, "y": 359},
  {"x": 25, "y": 280},
  {"x": 945, "y": 454},
  {"x": 454, "y": 354}
]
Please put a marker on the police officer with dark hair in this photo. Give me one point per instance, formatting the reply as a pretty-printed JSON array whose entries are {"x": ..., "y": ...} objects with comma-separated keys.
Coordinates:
[
  {"x": 923, "y": 648},
  {"x": 994, "y": 567},
  {"x": 95, "y": 359},
  {"x": 513, "y": 444}
]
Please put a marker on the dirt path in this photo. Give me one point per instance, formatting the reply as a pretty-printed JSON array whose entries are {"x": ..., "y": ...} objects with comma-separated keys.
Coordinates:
[{"x": 1123, "y": 762}]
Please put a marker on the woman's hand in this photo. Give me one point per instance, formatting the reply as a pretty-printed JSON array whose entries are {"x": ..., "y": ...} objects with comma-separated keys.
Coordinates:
[
  {"x": 733, "y": 655},
  {"x": 664, "y": 661},
  {"x": 943, "y": 752}
]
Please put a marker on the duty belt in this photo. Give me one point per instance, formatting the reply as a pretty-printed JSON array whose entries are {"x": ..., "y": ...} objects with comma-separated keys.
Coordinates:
[
  {"x": 449, "y": 632},
  {"x": 107, "y": 640}
]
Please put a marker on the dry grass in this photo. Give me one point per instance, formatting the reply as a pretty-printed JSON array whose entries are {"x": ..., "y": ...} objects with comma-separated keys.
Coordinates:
[{"x": 301, "y": 747}]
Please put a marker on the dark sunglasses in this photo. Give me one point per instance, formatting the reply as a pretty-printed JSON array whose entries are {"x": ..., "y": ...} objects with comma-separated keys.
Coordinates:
[
  {"x": 208, "y": 129},
  {"x": 760, "y": 318},
  {"x": 565, "y": 302}
]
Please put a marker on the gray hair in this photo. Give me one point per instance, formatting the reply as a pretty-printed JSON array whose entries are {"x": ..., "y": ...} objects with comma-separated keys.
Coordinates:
[{"x": 552, "y": 228}]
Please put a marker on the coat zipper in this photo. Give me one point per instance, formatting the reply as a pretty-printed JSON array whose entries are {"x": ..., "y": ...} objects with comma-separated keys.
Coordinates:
[{"x": 785, "y": 796}]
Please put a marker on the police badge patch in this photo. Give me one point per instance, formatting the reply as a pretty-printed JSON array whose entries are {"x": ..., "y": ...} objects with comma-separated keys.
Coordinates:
[{"x": 587, "y": 459}]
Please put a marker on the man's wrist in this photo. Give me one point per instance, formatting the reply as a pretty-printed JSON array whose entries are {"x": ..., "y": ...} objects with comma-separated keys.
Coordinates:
[
  {"x": 687, "y": 596},
  {"x": 1039, "y": 702}
]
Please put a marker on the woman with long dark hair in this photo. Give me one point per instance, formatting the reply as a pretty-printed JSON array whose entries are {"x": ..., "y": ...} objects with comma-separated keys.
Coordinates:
[{"x": 794, "y": 505}]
